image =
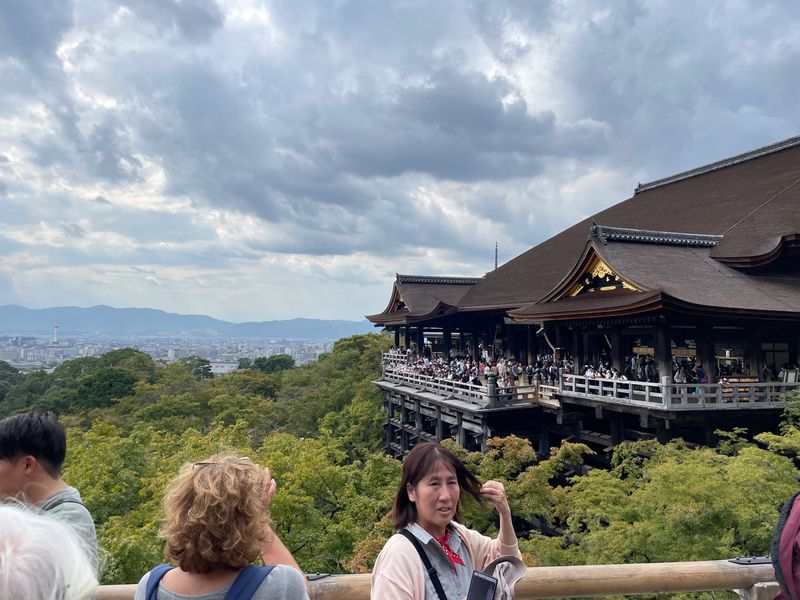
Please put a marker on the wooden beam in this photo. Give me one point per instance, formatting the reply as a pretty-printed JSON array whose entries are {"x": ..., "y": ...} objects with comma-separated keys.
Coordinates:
[{"x": 566, "y": 582}]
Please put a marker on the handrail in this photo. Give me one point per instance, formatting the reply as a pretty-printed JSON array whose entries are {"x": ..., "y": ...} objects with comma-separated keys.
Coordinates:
[
  {"x": 468, "y": 392},
  {"x": 620, "y": 391},
  {"x": 566, "y": 582},
  {"x": 663, "y": 395},
  {"x": 722, "y": 395}
]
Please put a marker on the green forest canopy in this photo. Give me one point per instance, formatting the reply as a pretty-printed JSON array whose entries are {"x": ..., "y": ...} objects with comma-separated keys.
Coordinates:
[{"x": 319, "y": 427}]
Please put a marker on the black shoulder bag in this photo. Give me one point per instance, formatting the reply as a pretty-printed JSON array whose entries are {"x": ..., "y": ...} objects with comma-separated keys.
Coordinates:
[{"x": 426, "y": 562}]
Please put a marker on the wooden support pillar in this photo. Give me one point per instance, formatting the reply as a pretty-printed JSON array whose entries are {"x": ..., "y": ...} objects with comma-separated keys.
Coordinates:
[
  {"x": 586, "y": 357},
  {"x": 617, "y": 422},
  {"x": 389, "y": 426},
  {"x": 711, "y": 438},
  {"x": 663, "y": 431},
  {"x": 485, "y": 437},
  {"x": 514, "y": 346},
  {"x": 663, "y": 351},
  {"x": 616, "y": 350},
  {"x": 407, "y": 337},
  {"x": 447, "y": 340},
  {"x": 530, "y": 336},
  {"x": 794, "y": 353},
  {"x": 396, "y": 337},
  {"x": 439, "y": 424},
  {"x": 504, "y": 341},
  {"x": 544, "y": 444},
  {"x": 476, "y": 354},
  {"x": 418, "y": 419},
  {"x": 559, "y": 340},
  {"x": 420, "y": 340},
  {"x": 461, "y": 435},
  {"x": 753, "y": 352},
  {"x": 704, "y": 340},
  {"x": 575, "y": 349},
  {"x": 403, "y": 422}
]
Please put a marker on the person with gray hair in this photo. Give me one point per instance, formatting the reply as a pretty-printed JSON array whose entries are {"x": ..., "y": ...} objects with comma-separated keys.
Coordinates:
[{"x": 42, "y": 558}]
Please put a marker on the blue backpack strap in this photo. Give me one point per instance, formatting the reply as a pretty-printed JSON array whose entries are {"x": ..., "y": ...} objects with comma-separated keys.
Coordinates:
[
  {"x": 154, "y": 579},
  {"x": 247, "y": 582}
]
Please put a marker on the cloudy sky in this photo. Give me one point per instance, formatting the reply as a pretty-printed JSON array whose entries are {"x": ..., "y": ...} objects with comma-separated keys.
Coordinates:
[{"x": 255, "y": 160}]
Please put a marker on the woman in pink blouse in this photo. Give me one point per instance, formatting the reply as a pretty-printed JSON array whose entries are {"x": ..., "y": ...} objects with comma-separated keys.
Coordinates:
[{"x": 425, "y": 512}]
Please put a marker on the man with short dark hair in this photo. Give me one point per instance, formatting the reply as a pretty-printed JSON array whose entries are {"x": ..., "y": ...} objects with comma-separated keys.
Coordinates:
[{"x": 33, "y": 447}]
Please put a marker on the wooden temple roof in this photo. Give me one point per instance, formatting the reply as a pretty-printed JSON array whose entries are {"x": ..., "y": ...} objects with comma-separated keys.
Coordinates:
[
  {"x": 750, "y": 203},
  {"x": 669, "y": 275},
  {"x": 722, "y": 237},
  {"x": 420, "y": 297}
]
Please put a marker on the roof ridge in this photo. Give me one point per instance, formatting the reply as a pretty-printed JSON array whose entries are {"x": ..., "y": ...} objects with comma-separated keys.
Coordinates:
[
  {"x": 720, "y": 164},
  {"x": 652, "y": 236},
  {"x": 437, "y": 279}
]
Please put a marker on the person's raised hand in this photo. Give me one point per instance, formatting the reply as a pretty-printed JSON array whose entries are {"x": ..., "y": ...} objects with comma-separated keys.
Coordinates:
[
  {"x": 495, "y": 492},
  {"x": 270, "y": 487}
]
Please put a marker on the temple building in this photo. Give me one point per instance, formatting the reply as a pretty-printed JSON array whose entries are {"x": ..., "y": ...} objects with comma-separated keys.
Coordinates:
[{"x": 699, "y": 269}]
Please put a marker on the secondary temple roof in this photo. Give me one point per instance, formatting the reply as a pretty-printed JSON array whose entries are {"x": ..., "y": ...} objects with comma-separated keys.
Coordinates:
[{"x": 417, "y": 297}]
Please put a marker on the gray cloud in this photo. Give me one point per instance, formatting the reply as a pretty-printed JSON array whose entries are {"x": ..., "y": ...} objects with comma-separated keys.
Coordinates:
[
  {"x": 195, "y": 20},
  {"x": 73, "y": 230},
  {"x": 496, "y": 20},
  {"x": 395, "y": 130},
  {"x": 30, "y": 30},
  {"x": 664, "y": 79},
  {"x": 109, "y": 152}
]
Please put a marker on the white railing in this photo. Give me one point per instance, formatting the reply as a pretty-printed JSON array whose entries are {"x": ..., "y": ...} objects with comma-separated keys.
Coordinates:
[
  {"x": 664, "y": 395},
  {"x": 650, "y": 395},
  {"x": 725, "y": 396},
  {"x": 395, "y": 368},
  {"x": 678, "y": 396},
  {"x": 467, "y": 392}
]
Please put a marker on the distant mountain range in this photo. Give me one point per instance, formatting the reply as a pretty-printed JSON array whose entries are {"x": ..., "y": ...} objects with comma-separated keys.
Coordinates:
[{"x": 99, "y": 320}]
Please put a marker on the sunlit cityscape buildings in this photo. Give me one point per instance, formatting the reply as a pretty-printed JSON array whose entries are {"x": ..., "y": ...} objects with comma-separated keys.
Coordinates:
[{"x": 34, "y": 352}]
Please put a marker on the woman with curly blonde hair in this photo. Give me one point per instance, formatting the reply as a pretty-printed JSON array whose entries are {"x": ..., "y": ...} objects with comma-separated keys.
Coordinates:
[{"x": 216, "y": 524}]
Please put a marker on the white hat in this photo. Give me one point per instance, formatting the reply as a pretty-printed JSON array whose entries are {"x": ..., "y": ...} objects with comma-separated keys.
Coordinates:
[{"x": 508, "y": 570}]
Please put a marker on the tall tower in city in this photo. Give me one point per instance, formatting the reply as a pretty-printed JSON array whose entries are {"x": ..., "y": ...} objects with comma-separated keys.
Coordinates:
[{"x": 55, "y": 335}]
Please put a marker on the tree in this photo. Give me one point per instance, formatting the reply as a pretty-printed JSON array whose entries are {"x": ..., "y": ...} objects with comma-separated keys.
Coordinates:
[
  {"x": 199, "y": 367},
  {"x": 68, "y": 372},
  {"x": 678, "y": 504},
  {"x": 137, "y": 362},
  {"x": 104, "y": 387},
  {"x": 273, "y": 364},
  {"x": 122, "y": 476},
  {"x": 325, "y": 503},
  {"x": 25, "y": 395},
  {"x": 329, "y": 385},
  {"x": 9, "y": 376}
]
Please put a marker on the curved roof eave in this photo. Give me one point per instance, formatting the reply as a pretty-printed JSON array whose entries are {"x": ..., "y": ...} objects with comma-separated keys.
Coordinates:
[{"x": 764, "y": 259}]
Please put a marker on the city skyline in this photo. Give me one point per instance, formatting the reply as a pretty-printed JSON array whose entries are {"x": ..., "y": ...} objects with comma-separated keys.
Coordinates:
[{"x": 255, "y": 161}]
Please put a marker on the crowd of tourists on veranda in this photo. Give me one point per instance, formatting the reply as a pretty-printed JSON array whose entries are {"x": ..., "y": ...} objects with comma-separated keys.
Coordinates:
[
  {"x": 508, "y": 372},
  {"x": 545, "y": 369}
]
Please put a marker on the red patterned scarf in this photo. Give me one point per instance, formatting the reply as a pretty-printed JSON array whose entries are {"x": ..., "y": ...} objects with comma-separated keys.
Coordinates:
[{"x": 454, "y": 558}]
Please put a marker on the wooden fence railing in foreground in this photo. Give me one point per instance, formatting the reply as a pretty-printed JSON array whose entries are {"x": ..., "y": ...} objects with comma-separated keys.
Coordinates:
[{"x": 752, "y": 581}]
